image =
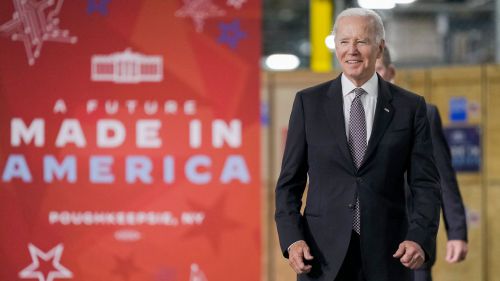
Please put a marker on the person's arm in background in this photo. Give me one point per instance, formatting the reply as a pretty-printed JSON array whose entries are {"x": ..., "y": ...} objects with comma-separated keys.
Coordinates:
[{"x": 452, "y": 204}]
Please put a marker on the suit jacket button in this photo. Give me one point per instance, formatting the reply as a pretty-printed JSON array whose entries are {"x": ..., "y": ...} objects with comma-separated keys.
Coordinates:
[{"x": 351, "y": 206}]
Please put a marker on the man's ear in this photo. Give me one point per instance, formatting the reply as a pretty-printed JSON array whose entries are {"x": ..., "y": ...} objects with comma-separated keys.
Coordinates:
[
  {"x": 392, "y": 72},
  {"x": 381, "y": 48}
]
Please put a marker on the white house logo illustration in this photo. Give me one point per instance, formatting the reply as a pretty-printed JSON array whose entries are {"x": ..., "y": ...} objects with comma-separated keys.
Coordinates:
[
  {"x": 33, "y": 270},
  {"x": 34, "y": 23},
  {"x": 196, "y": 273},
  {"x": 127, "y": 67}
]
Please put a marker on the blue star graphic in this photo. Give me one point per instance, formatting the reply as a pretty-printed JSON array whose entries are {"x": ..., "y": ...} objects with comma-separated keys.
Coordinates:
[
  {"x": 100, "y": 6},
  {"x": 231, "y": 33}
]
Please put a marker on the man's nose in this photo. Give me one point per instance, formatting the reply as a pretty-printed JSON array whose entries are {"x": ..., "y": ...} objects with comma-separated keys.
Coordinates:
[{"x": 353, "y": 48}]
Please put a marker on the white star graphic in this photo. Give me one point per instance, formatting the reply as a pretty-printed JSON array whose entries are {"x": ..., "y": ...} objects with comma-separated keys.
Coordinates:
[
  {"x": 236, "y": 3},
  {"x": 32, "y": 270},
  {"x": 199, "y": 11},
  {"x": 34, "y": 23}
]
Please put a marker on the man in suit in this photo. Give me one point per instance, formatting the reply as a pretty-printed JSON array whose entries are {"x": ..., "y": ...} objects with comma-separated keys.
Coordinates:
[
  {"x": 355, "y": 137},
  {"x": 451, "y": 203}
]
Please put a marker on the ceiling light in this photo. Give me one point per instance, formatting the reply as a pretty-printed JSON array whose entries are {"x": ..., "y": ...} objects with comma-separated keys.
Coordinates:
[
  {"x": 376, "y": 4},
  {"x": 282, "y": 62},
  {"x": 403, "y": 1},
  {"x": 330, "y": 42}
]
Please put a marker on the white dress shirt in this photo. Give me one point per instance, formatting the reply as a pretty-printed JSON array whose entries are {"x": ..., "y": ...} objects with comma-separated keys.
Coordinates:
[{"x": 369, "y": 101}]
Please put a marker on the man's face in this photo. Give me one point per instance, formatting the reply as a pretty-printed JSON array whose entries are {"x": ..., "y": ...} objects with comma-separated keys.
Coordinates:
[
  {"x": 356, "y": 48},
  {"x": 387, "y": 72}
]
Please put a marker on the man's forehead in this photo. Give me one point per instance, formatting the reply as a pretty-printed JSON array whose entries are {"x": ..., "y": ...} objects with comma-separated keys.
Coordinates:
[
  {"x": 358, "y": 18},
  {"x": 356, "y": 22}
]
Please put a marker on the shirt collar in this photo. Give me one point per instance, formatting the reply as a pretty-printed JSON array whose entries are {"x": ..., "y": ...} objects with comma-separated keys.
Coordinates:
[{"x": 370, "y": 87}]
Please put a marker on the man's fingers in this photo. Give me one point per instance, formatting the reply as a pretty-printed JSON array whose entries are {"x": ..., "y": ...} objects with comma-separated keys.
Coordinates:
[
  {"x": 295, "y": 264},
  {"x": 407, "y": 257},
  {"x": 456, "y": 251},
  {"x": 298, "y": 261},
  {"x": 416, "y": 262},
  {"x": 307, "y": 254},
  {"x": 463, "y": 252},
  {"x": 296, "y": 257},
  {"x": 410, "y": 254},
  {"x": 298, "y": 266},
  {"x": 456, "y": 255},
  {"x": 453, "y": 253},
  {"x": 292, "y": 265},
  {"x": 401, "y": 250},
  {"x": 307, "y": 269},
  {"x": 449, "y": 252}
]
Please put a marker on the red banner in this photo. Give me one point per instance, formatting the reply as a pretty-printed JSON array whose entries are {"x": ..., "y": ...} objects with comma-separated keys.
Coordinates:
[{"x": 129, "y": 145}]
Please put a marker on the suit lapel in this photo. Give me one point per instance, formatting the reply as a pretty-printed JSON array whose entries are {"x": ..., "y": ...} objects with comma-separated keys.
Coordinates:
[
  {"x": 334, "y": 109},
  {"x": 383, "y": 116}
]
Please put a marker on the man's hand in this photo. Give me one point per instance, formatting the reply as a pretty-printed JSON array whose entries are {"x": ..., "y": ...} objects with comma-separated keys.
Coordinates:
[
  {"x": 297, "y": 252},
  {"x": 410, "y": 254},
  {"x": 456, "y": 251}
]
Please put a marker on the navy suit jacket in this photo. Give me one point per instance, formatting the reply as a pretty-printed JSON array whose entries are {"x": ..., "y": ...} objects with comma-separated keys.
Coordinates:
[{"x": 316, "y": 149}]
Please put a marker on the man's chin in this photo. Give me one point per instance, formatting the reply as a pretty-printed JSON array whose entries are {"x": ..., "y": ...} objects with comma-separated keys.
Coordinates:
[
  {"x": 356, "y": 77},
  {"x": 353, "y": 71},
  {"x": 353, "y": 76}
]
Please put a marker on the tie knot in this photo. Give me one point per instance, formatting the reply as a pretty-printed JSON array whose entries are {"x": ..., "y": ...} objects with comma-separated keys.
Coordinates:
[{"x": 359, "y": 92}]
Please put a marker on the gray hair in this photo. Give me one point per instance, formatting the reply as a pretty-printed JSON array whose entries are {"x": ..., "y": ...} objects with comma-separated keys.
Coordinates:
[{"x": 361, "y": 12}]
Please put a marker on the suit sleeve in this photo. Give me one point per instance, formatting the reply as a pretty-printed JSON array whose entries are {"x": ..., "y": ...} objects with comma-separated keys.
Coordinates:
[
  {"x": 452, "y": 204},
  {"x": 292, "y": 180},
  {"x": 423, "y": 182}
]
